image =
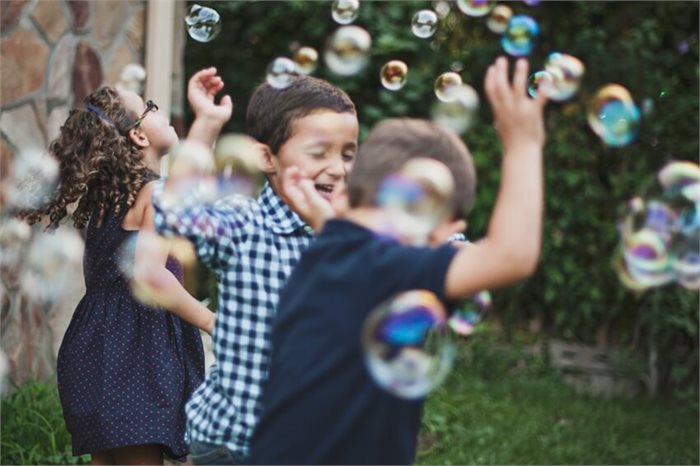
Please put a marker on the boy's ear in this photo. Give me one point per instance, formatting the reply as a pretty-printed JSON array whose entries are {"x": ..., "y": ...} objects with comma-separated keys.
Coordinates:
[
  {"x": 138, "y": 137},
  {"x": 267, "y": 159}
]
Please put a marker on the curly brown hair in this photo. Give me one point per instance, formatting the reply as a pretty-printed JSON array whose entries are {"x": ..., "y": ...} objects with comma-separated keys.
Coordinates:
[{"x": 99, "y": 166}]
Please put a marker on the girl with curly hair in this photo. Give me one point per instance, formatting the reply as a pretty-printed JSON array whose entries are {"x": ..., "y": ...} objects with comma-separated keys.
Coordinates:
[{"x": 126, "y": 369}]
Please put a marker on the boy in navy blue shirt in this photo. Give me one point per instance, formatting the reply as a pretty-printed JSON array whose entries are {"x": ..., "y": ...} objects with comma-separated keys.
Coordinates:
[{"x": 320, "y": 405}]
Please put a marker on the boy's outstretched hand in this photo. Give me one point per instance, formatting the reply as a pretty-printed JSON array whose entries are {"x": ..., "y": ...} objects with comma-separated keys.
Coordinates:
[
  {"x": 299, "y": 192},
  {"x": 517, "y": 117}
]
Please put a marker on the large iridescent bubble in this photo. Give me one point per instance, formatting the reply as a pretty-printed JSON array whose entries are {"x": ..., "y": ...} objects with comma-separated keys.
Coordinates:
[
  {"x": 519, "y": 37},
  {"x": 416, "y": 199},
  {"x": 347, "y": 50},
  {"x": 306, "y": 60},
  {"x": 281, "y": 72},
  {"x": 203, "y": 23},
  {"x": 459, "y": 111},
  {"x": 408, "y": 349},
  {"x": 613, "y": 116},
  {"x": 444, "y": 82}
]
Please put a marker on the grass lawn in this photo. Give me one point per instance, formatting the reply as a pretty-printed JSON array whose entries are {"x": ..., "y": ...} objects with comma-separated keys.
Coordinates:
[{"x": 501, "y": 407}]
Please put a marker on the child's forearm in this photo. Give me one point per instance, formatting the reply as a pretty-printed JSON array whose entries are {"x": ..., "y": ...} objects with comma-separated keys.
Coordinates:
[{"x": 167, "y": 292}]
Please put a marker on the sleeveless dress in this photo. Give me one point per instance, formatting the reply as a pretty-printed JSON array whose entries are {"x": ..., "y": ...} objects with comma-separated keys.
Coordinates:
[{"x": 125, "y": 370}]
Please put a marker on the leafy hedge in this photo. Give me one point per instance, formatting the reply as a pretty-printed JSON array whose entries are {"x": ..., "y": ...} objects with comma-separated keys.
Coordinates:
[{"x": 641, "y": 45}]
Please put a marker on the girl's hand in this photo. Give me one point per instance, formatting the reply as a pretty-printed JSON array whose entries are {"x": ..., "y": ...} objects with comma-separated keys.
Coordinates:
[{"x": 201, "y": 89}]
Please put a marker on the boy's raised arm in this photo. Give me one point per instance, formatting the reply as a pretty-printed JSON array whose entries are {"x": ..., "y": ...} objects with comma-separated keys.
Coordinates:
[{"x": 510, "y": 249}]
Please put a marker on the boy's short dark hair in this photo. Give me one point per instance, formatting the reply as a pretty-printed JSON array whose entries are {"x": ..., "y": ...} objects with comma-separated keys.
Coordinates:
[
  {"x": 271, "y": 112},
  {"x": 395, "y": 141}
]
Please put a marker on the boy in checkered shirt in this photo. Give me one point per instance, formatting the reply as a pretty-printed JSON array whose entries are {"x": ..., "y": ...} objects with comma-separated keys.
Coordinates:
[{"x": 252, "y": 246}]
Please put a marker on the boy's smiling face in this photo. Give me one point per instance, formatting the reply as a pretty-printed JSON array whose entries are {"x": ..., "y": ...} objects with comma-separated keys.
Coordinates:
[{"x": 323, "y": 145}]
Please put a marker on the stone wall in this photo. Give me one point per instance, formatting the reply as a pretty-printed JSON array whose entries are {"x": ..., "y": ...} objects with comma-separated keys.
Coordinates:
[{"x": 54, "y": 53}]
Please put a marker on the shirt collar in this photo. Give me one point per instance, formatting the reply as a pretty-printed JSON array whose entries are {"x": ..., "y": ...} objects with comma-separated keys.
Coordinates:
[{"x": 278, "y": 216}]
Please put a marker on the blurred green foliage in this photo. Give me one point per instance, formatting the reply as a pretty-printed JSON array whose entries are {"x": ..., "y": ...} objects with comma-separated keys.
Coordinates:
[{"x": 640, "y": 45}]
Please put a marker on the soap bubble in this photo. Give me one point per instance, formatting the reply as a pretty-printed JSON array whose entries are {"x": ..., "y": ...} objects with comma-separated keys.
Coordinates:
[
  {"x": 345, "y": 11},
  {"x": 444, "y": 82},
  {"x": 424, "y": 23},
  {"x": 33, "y": 177},
  {"x": 519, "y": 38},
  {"x": 539, "y": 79},
  {"x": 459, "y": 112},
  {"x": 407, "y": 346},
  {"x": 49, "y": 255},
  {"x": 416, "y": 199},
  {"x": 476, "y": 8},
  {"x": 613, "y": 116},
  {"x": 281, "y": 72},
  {"x": 466, "y": 318},
  {"x": 306, "y": 60},
  {"x": 394, "y": 75},
  {"x": 499, "y": 18},
  {"x": 203, "y": 23},
  {"x": 567, "y": 72},
  {"x": 347, "y": 49}
]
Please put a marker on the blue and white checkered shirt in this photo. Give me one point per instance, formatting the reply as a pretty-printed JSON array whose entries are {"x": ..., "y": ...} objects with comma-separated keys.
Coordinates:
[{"x": 252, "y": 247}]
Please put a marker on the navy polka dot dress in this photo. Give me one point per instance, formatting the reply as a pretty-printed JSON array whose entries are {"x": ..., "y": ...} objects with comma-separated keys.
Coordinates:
[{"x": 125, "y": 370}]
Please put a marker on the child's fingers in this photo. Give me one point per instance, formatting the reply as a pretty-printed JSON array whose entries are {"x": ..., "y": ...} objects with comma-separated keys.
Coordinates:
[{"x": 520, "y": 78}]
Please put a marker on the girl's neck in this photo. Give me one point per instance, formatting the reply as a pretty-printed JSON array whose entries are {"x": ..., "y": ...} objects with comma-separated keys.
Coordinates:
[{"x": 152, "y": 159}]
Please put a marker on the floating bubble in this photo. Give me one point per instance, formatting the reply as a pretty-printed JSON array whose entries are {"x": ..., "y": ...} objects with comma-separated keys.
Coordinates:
[
  {"x": 683, "y": 47},
  {"x": 281, "y": 72},
  {"x": 538, "y": 79},
  {"x": 686, "y": 260},
  {"x": 442, "y": 8},
  {"x": 531, "y": 2},
  {"x": 476, "y": 8},
  {"x": 444, "y": 82},
  {"x": 647, "y": 106},
  {"x": 345, "y": 11},
  {"x": 237, "y": 161},
  {"x": 499, "y": 18},
  {"x": 394, "y": 75},
  {"x": 306, "y": 60},
  {"x": 191, "y": 176},
  {"x": 347, "y": 49},
  {"x": 567, "y": 72},
  {"x": 44, "y": 275},
  {"x": 456, "y": 66},
  {"x": 132, "y": 78},
  {"x": 678, "y": 174},
  {"x": 460, "y": 109},
  {"x": 613, "y": 116},
  {"x": 519, "y": 38},
  {"x": 408, "y": 349},
  {"x": 416, "y": 199},
  {"x": 465, "y": 319},
  {"x": 203, "y": 23},
  {"x": 34, "y": 177},
  {"x": 424, "y": 23},
  {"x": 14, "y": 239}
]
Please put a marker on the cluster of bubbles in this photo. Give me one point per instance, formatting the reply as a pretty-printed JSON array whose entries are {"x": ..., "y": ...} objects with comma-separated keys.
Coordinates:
[
  {"x": 409, "y": 340},
  {"x": 198, "y": 175},
  {"x": 203, "y": 23},
  {"x": 660, "y": 235}
]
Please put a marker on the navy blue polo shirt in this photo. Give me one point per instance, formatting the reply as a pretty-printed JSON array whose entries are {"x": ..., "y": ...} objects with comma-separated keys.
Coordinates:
[{"x": 320, "y": 405}]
